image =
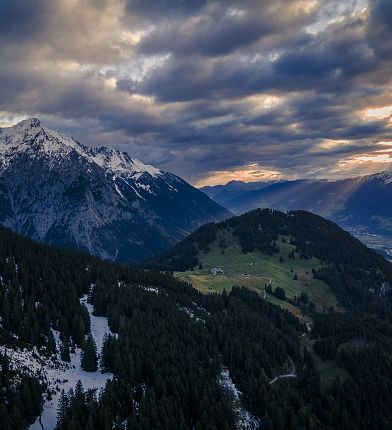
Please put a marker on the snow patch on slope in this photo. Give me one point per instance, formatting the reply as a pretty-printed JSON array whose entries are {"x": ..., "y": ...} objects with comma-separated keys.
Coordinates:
[
  {"x": 245, "y": 420},
  {"x": 99, "y": 325},
  {"x": 118, "y": 189},
  {"x": 64, "y": 376},
  {"x": 195, "y": 313},
  {"x": 151, "y": 289}
]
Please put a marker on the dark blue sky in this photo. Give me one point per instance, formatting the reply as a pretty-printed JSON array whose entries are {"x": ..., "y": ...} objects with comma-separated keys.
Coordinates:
[{"x": 210, "y": 90}]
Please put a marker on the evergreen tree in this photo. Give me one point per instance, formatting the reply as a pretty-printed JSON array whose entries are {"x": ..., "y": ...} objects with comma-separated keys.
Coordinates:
[
  {"x": 304, "y": 297},
  {"x": 280, "y": 293},
  {"x": 62, "y": 409},
  {"x": 64, "y": 352},
  {"x": 51, "y": 346},
  {"x": 89, "y": 355},
  {"x": 78, "y": 329}
]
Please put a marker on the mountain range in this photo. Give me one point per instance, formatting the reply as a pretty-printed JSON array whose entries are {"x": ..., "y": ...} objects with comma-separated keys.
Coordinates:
[
  {"x": 100, "y": 200},
  {"x": 226, "y": 194},
  {"x": 362, "y": 205},
  {"x": 147, "y": 343}
]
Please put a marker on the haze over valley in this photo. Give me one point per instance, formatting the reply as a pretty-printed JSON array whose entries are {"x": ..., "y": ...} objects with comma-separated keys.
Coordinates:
[{"x": 361, "y": 205}]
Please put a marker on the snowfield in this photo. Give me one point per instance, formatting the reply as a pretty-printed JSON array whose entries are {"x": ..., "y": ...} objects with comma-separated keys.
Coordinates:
[
  {"x": 60, "y": 375},
  {"x": 245, "y": 420},
  {"x": 99, "y": 325}
]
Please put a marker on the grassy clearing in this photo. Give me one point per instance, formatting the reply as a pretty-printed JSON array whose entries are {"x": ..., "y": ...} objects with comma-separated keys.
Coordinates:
[
  {"x": 255, "y": 269},
  {"x": 206, "y": 283},
  {"x": 296, "y": 311}
]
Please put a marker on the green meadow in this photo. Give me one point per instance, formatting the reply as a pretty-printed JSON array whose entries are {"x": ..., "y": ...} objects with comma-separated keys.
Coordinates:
[{"x": 255, "y": 269}]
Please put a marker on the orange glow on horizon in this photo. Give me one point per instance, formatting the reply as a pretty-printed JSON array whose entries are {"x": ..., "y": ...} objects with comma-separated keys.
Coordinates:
[
  {"x": 356, "y": 165},
  {"x": 249, "y": 173}
]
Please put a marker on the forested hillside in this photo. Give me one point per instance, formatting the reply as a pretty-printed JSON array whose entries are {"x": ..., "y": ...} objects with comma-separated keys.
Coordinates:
[
  {"x": 166, "y": 354},
  {"x": 176, "y": 358},
  {"x": 347, "y": 349},
  {"x": 355, "y": 272}
]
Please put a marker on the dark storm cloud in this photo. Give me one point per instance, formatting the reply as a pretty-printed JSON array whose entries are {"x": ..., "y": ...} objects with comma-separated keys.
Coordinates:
[
  {"x": 21, "y": 18},
  {"x": 214, "y": 36},
  {"x": 202, "y": 86},
  {"x": 381, "y": 17},
  {"x": 221, "y": 28},
  {"x": 321, "y": 63},
  {"x": 163, "y": 9}
]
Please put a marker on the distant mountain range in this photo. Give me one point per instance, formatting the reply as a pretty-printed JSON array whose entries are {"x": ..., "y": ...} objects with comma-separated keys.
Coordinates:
[
  {"x": 362, "y": 205},
  {"x": 56, "y": 190},
  {"x": 226, "y": 194}
]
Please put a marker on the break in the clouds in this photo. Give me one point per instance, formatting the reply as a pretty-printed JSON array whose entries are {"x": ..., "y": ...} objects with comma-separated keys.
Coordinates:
[{"x": 211, "y": 90}]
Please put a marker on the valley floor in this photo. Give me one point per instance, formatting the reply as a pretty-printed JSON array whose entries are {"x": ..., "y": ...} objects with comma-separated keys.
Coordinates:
[{"x": 382, "y": 244}]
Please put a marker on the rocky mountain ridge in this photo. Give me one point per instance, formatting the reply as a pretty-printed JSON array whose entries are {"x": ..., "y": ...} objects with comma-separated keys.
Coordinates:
[{"x": 101, "y": 200}]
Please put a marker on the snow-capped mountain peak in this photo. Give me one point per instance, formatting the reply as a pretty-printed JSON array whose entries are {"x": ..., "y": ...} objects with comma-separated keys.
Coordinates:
[
  {"x": 383, "y": 178},
  {"x": 102, "y": 200},
  {"x": 30, "y": 134},
  {"x": 113, "y": 160},
  {"x": 28, "y": 123},
  {"x": 20, "y": 132}
]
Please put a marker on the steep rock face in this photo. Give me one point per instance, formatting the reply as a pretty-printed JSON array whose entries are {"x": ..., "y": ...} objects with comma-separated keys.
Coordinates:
[{"x": 101, "y": 200}]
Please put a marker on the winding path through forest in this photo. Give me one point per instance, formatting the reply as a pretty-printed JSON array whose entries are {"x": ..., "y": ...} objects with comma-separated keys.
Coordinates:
[{"x": 292, "y": 373}]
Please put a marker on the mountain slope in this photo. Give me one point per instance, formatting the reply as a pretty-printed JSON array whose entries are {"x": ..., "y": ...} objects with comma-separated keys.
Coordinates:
[
  {"x": 363, "y": 205},
  {"x": 175, "y": 358},
  {"x": 326, "y": 277},
  {"x": 295, "y": 250},
  {"x": 101, "y": 200},
  {"x": 162, "y": 357}
]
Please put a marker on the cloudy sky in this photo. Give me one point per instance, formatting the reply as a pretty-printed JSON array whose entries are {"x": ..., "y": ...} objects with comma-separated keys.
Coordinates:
[{"x": 210, "y": 90}]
